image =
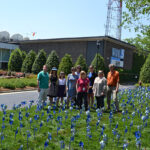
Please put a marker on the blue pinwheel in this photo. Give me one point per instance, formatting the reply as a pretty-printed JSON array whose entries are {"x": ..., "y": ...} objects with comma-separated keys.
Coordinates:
[
  {"x": 81, "y": 144},
  {"x": 102, "y": 143},
  {"x": 46, "y": 144},
  {"x": 49, "y": 136},
  {"x": 16, "y": 132},
  {"x": 21, "y": 147},
  {"x": 28, "y": 136}
]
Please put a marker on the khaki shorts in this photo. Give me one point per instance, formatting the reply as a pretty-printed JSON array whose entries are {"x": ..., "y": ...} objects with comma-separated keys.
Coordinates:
[{"x": 42, "y": 95}]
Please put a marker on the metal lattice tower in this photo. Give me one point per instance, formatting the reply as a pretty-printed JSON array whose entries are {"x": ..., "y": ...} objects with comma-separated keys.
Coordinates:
[{"x": 114, "y": 19}]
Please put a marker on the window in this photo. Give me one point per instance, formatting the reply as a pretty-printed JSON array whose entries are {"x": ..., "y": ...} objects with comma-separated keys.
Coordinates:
[{"x": 118, "y": 53}]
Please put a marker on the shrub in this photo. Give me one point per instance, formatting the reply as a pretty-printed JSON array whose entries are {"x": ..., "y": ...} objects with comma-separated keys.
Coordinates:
[
  {"x": 65, "y": 64},
  {"x": 40, "y": 60},
  {"x": 82, "y": 62},
  {"x": 15, "y": 61},
  {"x": 32, "y": 84},
  {"x": 28, "y": 62},
  {"x": 138, "y": 61},
  {"x": 9, "y": 85},
  {"x": 145, "y": 71},
  {"x": 52, "y": 61},
  {"x": 23, "y": 55},
  {"x": 98, "y": 63}
]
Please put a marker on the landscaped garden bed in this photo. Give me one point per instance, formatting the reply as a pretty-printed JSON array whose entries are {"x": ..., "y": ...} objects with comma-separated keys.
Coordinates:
[{"x": 14, "y": 83}]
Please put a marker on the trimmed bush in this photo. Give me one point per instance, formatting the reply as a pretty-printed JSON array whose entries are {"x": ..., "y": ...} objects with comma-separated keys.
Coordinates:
[
  {"x": 28, "y": 62},
  {"x": 15, "y": 61},
  {"x": 65, "y": 64},
  {"x": 98, "y": 62},
  {"x": 40, "y": 60},
  {"x": 82, "y": 62},
  {"x": 138, "y": 61},
  {"x": 52, "y": 61},
  {"x": 23, "y": 54},
  {"x": 145, "y": 71}
]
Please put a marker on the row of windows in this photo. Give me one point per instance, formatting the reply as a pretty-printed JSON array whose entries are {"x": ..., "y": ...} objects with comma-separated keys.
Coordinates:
[{"x": 4, "y": 55}]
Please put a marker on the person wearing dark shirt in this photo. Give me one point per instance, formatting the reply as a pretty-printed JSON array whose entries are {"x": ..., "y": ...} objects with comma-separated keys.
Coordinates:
[
  {"x": 92, "y": 75},
  {"x": 53, "y": 85}
]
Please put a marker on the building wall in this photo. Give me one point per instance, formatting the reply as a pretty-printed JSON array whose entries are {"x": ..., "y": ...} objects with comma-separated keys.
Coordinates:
[
  {"x": 87, "y": 48},
  {"x": 128, "y": 55},
  {"x": 92, "y": 50},
  {"x": 72, "y": 48}
]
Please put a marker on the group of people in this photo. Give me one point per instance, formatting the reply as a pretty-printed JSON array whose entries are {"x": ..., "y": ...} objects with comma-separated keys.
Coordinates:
[{"x": 79, "y": 86}]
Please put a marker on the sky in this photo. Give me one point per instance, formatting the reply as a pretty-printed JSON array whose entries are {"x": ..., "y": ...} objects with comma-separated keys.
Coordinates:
[{"x": 55, "y": 18}]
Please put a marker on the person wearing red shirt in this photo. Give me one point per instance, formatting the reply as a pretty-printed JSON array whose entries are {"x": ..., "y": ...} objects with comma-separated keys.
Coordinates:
[{"x": 82, "y": 88}]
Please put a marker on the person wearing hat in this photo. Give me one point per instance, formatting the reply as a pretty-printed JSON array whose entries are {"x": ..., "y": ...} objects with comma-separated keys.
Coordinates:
[
  {"x": 53, "y": 85},
  {"x": 42, "y": 82},
  {"x": 61, "y": 87},
  {"x": 99, "y": 88}
]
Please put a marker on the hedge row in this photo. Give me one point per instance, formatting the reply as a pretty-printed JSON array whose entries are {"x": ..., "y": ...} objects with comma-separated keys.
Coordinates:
[
  {"x": 33, "y": 63},
  {"x": 18, "y": 83}
]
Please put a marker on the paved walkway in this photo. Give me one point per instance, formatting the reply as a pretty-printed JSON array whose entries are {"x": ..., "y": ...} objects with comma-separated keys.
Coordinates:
[{"x": 16, "y": 97}]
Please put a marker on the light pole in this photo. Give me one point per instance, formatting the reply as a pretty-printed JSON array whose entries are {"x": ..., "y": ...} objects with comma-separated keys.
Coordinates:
[{"x": 98, "y": 46}]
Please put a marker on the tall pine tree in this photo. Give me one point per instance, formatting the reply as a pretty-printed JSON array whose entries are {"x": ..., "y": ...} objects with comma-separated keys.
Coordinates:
[
  {"x": 15, "y": 60},
  {"x": 82, "y": 62},
  {"x": 98, "y": 63},
  {"x": 28, "y": 62},
  {"x": 145, "y": 71},
  {"x": 52, "y": 61},
  {"x": 65, "y": 64},
  {"x": 40, "y": 60}
]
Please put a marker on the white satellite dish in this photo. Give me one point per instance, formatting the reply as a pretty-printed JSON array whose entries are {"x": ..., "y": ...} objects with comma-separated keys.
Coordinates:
[
  {"x": 16, "y": 37},
  {"x": 4, "y": 36},
  {"x": 26, "y": 38}
]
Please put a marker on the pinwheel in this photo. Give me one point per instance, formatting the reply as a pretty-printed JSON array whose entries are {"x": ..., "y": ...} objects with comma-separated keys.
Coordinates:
[
  {"x": 81, "y": 144},
  {"x": 46, "y": 144}
]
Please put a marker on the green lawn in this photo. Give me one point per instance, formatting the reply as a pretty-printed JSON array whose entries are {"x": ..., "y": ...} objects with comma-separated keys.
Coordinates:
[{"x": 130, "y": 101}]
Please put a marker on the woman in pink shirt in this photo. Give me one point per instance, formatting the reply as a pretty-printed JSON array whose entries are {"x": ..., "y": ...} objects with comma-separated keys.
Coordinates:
[{"x": 82, "y": 87}]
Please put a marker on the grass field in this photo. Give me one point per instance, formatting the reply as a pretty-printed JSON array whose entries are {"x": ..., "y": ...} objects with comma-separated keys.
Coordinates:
[{"x": 52, "y": 128}]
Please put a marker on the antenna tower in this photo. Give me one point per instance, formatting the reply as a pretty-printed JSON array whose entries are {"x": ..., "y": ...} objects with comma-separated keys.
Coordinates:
[{"x": 114, "y": 19}]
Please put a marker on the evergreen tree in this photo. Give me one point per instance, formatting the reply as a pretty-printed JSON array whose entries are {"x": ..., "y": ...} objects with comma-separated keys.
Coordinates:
[
  {"x": 28, "y": 62},
  {"x": 65, "y": 64},
  {"x": 82, "y": 62},
  {"x": 15, "y": 60},
  {"x": 98, "y": 63},
  {"x": 40, "y": 60},
  {"x": 23, "y": 54},
  {"x": 145, "y": 71},
  {"x": 52, "y": 61}
]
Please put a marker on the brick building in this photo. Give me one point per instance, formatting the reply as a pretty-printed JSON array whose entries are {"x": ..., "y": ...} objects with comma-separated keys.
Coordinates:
[{"x": 114, "y": 51}]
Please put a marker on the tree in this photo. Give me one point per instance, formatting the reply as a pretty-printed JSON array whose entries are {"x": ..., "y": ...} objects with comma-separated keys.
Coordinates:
[
  {"x": 98, "y": 62},
  {"x": 82, "y": 62},
  {"x": 65, "y": 64},
  {"x": 28, "y": 62},
  {"x": 40, "y": 60},
  {"x": 145, "y": 71},
  {"x": 23, "y": 54},
  {"x": 52, "y": 60},
  {"x": 136, "y": 11},
  {"x": 137, "y": 16},
  {"x": 15, "y": 60}
]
